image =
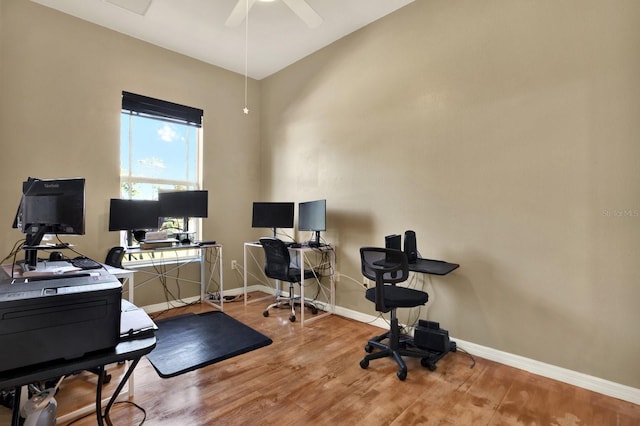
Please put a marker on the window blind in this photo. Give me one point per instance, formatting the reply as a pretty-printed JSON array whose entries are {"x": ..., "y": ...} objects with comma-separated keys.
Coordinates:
[{"x": 156, "y": 108}]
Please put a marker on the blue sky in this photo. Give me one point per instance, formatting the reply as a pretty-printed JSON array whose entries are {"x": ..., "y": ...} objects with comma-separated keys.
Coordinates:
[{"x": 161, "y": 150}]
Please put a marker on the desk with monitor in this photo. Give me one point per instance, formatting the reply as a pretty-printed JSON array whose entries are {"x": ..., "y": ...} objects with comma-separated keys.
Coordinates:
[
  {"x": 416, "y": 263},
  {"x": 311, "y": 217}
]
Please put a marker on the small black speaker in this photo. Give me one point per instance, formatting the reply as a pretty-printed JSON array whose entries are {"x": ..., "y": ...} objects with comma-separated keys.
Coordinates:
[{"x": 410, "y": 247}]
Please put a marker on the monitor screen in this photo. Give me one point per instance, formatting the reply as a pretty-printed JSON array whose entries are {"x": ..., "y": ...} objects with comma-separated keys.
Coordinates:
[
  {"x": 393, "y": 241},
  {"x": 183, "y": 203},
  {"x": 52, "y": 206},
  {"x": 49, "y": 206},
  {"x": 312, "y": 216},
  {"x": 272, "y": 215},
  {"x": 130, "y": 215}
]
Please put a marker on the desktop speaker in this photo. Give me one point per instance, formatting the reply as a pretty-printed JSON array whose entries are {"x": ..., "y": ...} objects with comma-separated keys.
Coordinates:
[
  {"x": 428, "y": 335},
  {"x": 410, "y": 246}
]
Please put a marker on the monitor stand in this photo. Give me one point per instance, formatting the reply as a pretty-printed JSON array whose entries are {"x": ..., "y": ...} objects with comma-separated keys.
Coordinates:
[
  {"x": 30, "y": 252},
  {"x": 316, "y": 241}
]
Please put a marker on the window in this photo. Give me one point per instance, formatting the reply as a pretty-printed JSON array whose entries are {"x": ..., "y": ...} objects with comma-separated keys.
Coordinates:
[{"x": 160, "y": 150}]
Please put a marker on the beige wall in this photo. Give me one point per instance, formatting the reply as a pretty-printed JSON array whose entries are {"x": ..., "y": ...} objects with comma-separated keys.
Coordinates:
[
  {"x": 505, "y": 133},
  {"x": 61, "y": 80}
]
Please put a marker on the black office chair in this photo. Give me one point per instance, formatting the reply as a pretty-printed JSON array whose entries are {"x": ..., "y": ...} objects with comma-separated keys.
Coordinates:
[
  {"x": 114, "y": 257},
  {"x": 387, "y": 267},
  {"x": 277, "y": 266}
]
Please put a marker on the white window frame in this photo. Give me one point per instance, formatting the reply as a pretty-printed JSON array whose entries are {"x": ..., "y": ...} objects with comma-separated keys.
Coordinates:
[{"x": 128, "y": 179}]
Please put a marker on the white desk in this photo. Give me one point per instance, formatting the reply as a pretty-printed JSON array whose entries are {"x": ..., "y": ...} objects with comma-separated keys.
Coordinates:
[
  {"x": 303, "y": 261},
  {"x": 169, "y": 256}
]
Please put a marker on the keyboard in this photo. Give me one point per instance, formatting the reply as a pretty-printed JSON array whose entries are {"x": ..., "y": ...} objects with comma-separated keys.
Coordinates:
[{"x": 85, "y": 263}]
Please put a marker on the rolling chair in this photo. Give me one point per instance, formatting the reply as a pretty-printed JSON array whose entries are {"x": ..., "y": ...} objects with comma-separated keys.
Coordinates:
[
  {"x": 114, "y": 257},
  {"x": 387, "y": 267},
  {"x": 277, "y": 266}
]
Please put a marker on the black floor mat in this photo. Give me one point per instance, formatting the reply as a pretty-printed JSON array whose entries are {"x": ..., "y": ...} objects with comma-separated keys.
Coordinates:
[{"x": 193, "y": 341}]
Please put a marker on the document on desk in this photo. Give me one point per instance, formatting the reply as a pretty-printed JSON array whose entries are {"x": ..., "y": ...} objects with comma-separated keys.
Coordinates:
[
  {"x": 51, "y": 268},
  {"x": 134, "y": 321}
]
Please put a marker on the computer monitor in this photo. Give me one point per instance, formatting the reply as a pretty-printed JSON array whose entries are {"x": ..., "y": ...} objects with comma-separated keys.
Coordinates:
[
  {"x": 50, "y": 206},
  {"x": 133, "y": 216},
  {"x": 393, "y": 241},
  {"x": 184, "y": 204},
  {"x": 272, "y": 215},
  {"x": 312, "y": 216}
]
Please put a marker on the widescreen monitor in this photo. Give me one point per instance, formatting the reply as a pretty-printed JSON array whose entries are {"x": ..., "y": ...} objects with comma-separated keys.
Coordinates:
[
  {"x": 272, "y": 215},
  {"x": 133, "y": 215},
  {"x": 184, "y": 203},
  {"x": 312, "y": 216}
]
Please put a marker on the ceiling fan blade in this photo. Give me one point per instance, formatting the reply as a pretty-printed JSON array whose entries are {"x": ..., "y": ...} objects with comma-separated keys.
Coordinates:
[
  {"x": 238, "y": 13},
  {"x": 305, "y": 12}
]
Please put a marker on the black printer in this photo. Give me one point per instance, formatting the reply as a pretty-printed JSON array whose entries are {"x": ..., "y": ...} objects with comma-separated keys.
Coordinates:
[{"x": 57, "y": 317}]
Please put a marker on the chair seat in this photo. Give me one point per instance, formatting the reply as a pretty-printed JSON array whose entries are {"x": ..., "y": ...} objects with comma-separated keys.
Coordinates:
[
  {"x": 399, "y": 297},
  {"x": 294, "y": 275}
]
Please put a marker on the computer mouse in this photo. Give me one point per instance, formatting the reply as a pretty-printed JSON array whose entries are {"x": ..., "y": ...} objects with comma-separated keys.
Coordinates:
[{"x": 55, "y": 256}]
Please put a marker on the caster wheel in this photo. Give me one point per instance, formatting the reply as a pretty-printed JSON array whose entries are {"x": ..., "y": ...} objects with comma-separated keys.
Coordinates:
[
  {"x": 314, "y": 310},
  {"x": 426, "y": 362},
  {"x": 265, "y": 314},
  {"x": 402, "y": 374},
  {"x": 364, "y": 364},
  {"x": 368, "y": 349},
  {"x": 292, "y": 318}
]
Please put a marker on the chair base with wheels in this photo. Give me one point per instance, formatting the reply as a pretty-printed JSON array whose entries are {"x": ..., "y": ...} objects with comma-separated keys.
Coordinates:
[
  {"x": 397, "y": 346},
  {"x": 290, "y": 301}
]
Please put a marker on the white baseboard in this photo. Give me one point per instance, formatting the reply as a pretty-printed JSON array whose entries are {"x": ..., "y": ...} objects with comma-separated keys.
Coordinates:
[
  {"x": 158, "y": 307},
  {"x": 596, "y": 384}
]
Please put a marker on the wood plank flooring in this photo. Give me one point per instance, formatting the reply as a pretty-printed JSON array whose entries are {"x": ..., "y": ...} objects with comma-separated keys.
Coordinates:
[{"x": 312, "y": 376}]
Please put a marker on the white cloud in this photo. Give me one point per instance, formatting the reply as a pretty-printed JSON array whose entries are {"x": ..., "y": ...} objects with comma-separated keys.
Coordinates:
[{"x": 167, "y": 134}]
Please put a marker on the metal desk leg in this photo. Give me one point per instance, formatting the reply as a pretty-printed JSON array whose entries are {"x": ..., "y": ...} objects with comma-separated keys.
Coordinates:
[
  {"x": 128, "y": 373},
  {"x": 302, "y": 266},
  {"x": 244, "y": 273}
]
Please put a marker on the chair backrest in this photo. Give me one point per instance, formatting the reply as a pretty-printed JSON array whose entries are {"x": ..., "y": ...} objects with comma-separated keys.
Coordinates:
[
  {"x": 114, "y": 257},
  {"x": 276, "y": 259},
  {"x": 384, "y": 266}
]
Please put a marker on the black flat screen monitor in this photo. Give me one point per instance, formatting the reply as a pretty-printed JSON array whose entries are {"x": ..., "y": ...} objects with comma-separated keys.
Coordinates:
[
  {"x": 393, "y": 241},
  {"x": 50, "y": 206},
  {"x": 131, "y": 215},
  {"x": 312, "y": 216},
  {"x": 184, "y": 203},
  {"x": 272, "y": 215}
]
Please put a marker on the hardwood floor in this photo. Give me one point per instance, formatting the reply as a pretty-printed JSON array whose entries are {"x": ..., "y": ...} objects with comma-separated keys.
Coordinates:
[{"x": 311, "y": 375}]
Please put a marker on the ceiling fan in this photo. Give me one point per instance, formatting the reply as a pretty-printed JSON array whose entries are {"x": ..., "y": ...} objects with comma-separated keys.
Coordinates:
[{"x": 299, "y": 7}]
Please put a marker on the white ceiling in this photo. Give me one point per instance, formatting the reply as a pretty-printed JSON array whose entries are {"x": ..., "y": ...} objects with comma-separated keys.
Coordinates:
[{"x": 276, "y": 36}]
